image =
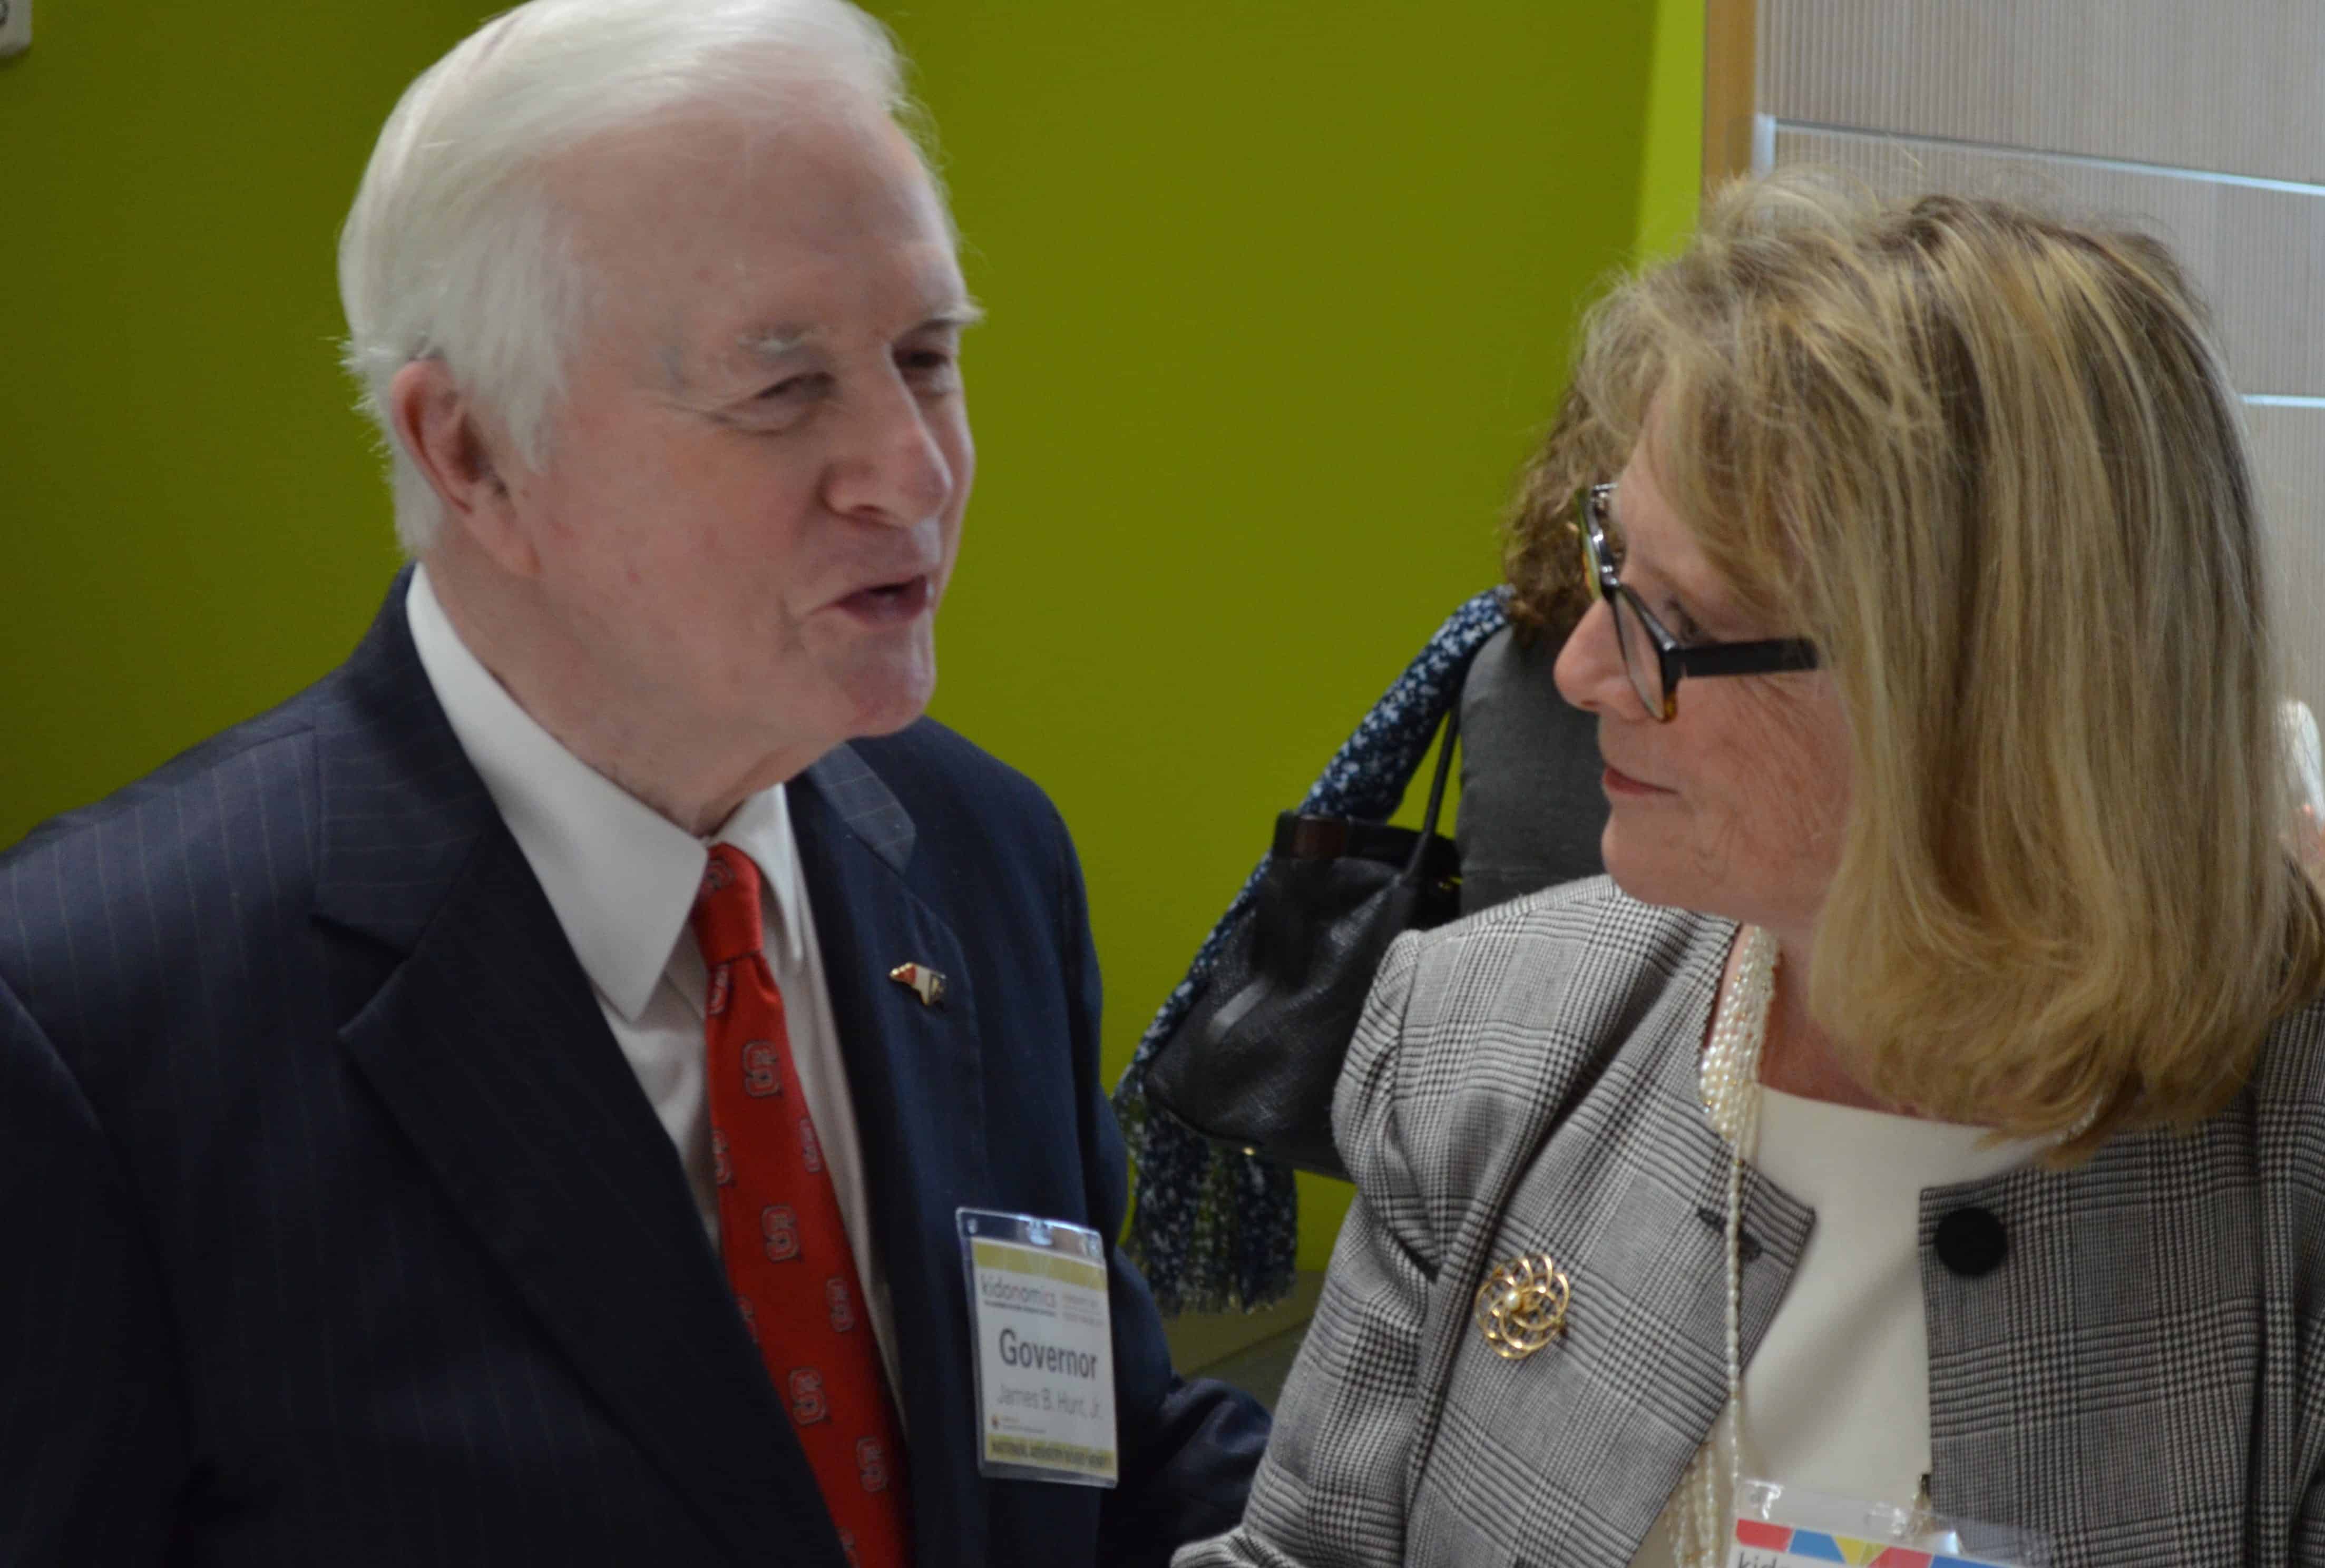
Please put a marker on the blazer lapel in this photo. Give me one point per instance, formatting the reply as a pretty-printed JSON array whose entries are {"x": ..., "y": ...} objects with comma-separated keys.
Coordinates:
[
  {"x": 914, "y": 1073},
  {"x": 487, "y": 1048},
  {"x": 1642, "y": 1235}
]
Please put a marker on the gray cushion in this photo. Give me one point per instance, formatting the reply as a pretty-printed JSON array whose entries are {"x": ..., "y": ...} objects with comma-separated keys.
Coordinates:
[{"x": 1532, "y": 808}]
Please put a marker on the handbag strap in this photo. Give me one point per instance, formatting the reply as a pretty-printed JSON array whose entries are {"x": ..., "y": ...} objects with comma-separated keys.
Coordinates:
[{"x": 1445, "y": 750}]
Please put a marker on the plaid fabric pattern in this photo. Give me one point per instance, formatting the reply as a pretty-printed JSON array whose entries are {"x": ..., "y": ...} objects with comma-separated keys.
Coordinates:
[
  {"x": 2143, "y": 1379},
  {"x": 1212, "y": 1229}
]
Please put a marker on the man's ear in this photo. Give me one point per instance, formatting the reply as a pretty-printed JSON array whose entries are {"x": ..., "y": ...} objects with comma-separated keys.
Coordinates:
[{"x": 440, "y": 430}]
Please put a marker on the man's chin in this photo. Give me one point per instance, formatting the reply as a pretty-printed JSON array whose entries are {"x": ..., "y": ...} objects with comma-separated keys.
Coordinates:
[
  {"x": 888, "y": 722},
  {"x": 884, "y": 706}
]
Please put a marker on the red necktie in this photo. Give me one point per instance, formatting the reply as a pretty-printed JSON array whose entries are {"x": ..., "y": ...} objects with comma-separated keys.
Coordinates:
[{"x": 786, "y": 1250}]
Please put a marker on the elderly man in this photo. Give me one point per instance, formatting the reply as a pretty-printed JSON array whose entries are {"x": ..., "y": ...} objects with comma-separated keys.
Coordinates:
[{"x": 372, "y": 1076}]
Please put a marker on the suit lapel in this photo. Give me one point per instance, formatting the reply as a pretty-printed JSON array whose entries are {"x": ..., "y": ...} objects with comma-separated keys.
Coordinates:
[
  {"x": 488, "y": 1048},
  {"x": 916, "y": 1076}
]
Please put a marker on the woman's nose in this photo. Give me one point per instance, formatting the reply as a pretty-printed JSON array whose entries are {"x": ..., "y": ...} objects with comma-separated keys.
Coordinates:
[{"x": 1590, "y": 668}]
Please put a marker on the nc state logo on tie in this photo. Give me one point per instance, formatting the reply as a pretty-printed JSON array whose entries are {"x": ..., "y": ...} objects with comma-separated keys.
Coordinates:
[
  {"x": 810, "y": 1147},
  {"x": 722, "y": 981},
  {"x": 722, "y": 1167},
  {"x": 843, "y": 1311},
  {"x": 780, "y": 1229},
  {"x": 872, "y": 1465},
  {"x": 808, "y": 1405},
  {"x": 750, "y": 1319},
  {"x": 761, "y": 1077}
]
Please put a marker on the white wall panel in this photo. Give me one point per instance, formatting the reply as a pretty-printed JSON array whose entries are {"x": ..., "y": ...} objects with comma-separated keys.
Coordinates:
[
  {"x": 2232, "y": 85},
  {"x": 2289, "y": 450}
]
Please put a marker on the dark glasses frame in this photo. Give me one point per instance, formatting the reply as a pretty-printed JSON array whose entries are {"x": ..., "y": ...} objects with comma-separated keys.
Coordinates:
[{"x": 1674, "y": 659}]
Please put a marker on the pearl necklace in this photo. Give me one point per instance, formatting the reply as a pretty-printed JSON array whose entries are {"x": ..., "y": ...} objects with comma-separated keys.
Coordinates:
[{"x": 1728, "y": 1079}]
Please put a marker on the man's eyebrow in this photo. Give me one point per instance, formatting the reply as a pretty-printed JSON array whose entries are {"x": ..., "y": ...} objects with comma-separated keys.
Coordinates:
[
  {"x": 773, "y": 343},
  {"x": 962, "y": 313}
]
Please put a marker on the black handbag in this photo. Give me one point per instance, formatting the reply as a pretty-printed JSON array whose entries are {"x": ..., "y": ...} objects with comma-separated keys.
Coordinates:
[{"x": 1254, "y": 1063}]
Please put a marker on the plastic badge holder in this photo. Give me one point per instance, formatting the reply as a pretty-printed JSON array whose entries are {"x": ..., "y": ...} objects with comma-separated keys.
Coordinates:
[
  {"x": 1782, "y": 1526},
  {"x": 1043, "y": 1348}
]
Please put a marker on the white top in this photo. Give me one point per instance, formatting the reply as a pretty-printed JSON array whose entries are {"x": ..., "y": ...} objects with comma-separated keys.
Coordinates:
[
  {"x": 1838, "y": 1398},
  {"x": 621, "y": 878}
]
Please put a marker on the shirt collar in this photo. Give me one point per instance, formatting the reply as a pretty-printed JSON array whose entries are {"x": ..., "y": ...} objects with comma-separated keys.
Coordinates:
[{"x": 620, "y": 877}]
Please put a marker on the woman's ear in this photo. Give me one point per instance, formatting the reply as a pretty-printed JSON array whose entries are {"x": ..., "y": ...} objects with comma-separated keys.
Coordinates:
[{"x": 439, "y": 429}]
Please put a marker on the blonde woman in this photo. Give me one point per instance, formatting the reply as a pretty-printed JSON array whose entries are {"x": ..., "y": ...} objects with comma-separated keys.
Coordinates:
[{"x": 1932, "y": 1101}]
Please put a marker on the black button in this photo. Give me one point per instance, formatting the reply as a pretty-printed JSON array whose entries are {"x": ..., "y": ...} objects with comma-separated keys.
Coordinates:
[{"x": 1971, "y": 1242}]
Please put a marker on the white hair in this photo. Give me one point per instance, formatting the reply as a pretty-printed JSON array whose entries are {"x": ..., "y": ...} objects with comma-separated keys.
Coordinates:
[{"x": 456, "y": 251}]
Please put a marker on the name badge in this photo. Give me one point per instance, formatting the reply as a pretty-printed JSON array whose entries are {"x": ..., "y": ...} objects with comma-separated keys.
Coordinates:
[
  {"x": 1044, "y": 1337},
  {"x": 1777, "y": 1525}
]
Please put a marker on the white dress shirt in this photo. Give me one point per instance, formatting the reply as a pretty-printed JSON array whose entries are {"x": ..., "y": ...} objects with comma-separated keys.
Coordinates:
[
  {"x": 621, "y": 878},
  {"x": 1838, "y": 1398}
]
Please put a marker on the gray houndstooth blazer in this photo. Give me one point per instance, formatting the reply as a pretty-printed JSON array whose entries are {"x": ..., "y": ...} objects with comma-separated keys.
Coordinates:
[{"x": 2142, "y": 1378}]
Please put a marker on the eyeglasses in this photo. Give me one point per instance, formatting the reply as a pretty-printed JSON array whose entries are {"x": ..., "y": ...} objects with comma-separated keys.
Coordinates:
[{"x": 1652, "y": 658}]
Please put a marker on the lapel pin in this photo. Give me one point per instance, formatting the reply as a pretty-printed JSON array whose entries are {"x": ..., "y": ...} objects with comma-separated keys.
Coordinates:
[
  {"x": 1522, "y": 1306},
  {"x": 928, "y": 984}
]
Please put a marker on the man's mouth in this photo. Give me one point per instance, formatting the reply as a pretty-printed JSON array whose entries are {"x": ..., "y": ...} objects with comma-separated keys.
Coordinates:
[{"x": 900, "y": 600}]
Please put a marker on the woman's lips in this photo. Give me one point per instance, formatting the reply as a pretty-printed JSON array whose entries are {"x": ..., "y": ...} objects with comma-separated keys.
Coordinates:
[
  {"x": 1617, "y": 782},
  {"x": 889, "y": 602}
]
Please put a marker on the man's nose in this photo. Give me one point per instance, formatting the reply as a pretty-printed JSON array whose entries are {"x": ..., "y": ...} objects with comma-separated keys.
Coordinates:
[
  {"x": 1589, "y": 670},
  {"x": 891, "y": 467}
]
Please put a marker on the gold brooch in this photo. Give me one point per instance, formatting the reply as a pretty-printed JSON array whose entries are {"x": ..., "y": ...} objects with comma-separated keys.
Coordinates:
[{"x": 1522, "y": 1306}]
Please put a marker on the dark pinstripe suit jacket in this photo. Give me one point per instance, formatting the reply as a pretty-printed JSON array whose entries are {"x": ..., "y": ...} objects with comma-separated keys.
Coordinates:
[
  {"x": 2142, "y": 1379},
  {"x": 334, "y": 1227}
]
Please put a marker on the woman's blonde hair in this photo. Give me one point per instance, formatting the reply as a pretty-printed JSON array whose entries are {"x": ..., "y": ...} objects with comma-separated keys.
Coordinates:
[{"x": 1990, "y": 464}]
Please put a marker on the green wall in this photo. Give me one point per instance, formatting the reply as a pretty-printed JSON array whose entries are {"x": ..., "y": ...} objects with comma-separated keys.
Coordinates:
[{"x": 1278, "y": 294}]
